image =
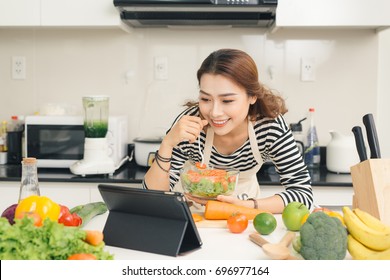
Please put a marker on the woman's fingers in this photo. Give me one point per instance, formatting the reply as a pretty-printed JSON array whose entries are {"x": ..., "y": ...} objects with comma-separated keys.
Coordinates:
[
  {"x": 187, "y": 128},
  {"x": 190, "y": 127},
  {"x": 195, "y": 199},
  {"x": 225, "y": 198}
]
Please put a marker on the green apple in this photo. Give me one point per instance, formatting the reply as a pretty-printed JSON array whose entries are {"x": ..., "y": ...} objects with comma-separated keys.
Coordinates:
[{"x": 292, "y": 215}]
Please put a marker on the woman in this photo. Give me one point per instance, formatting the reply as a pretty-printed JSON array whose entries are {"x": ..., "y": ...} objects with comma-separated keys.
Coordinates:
[{"x": 240, "y": 125}]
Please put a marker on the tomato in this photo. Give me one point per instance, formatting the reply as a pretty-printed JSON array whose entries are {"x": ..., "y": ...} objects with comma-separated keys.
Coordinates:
[
  {"x": 67, "y": 218},
  {"x": 77, "y": 221},
  {"x": 70, "y": 220},
  {"x": 232, "y": 179},
  {"x": 82, "y": 256},
  {"x": 200, "y": 165},
  {"x": 32, "y": 215},
  {"x": 225, "y": 185},
  {"x": 237, "y": 223},
  {"x": 63, "y": 210}
]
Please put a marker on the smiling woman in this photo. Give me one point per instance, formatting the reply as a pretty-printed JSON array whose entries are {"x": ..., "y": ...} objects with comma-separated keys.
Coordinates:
[{"x": 238, "y": 124}]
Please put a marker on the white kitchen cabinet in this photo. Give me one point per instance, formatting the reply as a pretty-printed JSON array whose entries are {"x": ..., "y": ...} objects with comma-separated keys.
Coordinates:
[
  {"x": 63, "y": 193},
  {"x": 20, "y": 13},
  {"x": 9, "y": 194},
  {"x": 56, "y": 13},
  {"x": 79, "y": 13},
  {"x": 69, "y": 194},
  {"x": 333, "y": 13}
]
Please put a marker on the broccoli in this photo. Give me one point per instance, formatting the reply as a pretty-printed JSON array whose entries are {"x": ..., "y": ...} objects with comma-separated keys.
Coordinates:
[{"x": 322, "y": 238}]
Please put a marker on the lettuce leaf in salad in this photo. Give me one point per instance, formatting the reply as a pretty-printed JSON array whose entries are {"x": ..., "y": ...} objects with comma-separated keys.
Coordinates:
[
  {"x": 51, "y": 241},
  {"x": 207, "y": 188}
]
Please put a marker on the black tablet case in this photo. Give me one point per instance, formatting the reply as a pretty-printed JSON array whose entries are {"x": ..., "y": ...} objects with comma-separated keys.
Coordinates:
[{"x": 148, "y": 220}]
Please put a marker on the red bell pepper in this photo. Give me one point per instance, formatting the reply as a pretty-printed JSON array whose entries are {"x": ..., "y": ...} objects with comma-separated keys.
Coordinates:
[{"x": 69, "y": 219}]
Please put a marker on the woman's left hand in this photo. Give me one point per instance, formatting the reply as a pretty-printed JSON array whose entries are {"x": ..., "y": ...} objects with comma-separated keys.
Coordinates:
[{"x": 196, "y": 199}]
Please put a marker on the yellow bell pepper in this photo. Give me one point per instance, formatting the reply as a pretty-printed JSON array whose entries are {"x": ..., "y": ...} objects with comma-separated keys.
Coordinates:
[{"x": 42, "y": 205}]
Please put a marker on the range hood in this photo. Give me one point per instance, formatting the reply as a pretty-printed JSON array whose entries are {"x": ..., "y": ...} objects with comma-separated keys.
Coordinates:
[{"x": 179, "y": 13}]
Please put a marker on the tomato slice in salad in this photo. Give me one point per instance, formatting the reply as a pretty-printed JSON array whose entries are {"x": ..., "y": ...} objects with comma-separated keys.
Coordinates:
[{"x": 200, "y": 165}]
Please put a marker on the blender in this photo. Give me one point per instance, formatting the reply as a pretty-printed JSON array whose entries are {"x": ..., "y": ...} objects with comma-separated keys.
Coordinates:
[{"x": 96, "y": 158}]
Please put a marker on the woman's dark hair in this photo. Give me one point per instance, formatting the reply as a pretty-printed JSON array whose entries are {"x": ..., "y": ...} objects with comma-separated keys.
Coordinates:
[{"x": 240, "y": 68}]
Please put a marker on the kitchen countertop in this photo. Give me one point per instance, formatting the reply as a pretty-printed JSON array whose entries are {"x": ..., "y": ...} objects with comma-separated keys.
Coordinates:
[
  {"x": 214, "y": 241},
  {"x": 132, "y": 173}
]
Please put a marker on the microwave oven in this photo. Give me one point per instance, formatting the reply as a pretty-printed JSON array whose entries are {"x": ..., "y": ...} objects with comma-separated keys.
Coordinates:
[{"x": 58, "y": 141}]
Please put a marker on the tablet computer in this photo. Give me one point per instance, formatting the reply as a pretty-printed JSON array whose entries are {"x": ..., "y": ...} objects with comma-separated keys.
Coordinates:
[{"x": 148, "y": 220}]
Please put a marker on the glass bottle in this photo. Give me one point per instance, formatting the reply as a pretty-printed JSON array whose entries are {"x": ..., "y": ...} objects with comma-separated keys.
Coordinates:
[
  {"x": 296, "y": 129},
  {"x": 29, "y": 182},
  {"x": 312, "y": 148},
  {"x": 3, "y": 135}
]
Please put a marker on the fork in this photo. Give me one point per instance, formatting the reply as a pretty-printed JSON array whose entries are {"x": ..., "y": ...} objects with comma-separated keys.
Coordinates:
[{"x": 200, "y": 151}]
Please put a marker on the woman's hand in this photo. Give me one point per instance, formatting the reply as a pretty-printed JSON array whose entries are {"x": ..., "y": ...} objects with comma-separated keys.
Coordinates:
[
  {"x": 187, "y": 128},
  {"x": 234, "y": 200},
  {"x": 196, "y": 199}
]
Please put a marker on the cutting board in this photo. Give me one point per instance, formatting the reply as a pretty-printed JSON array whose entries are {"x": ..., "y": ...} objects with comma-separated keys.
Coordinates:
[{"x": 210, "y": 223}]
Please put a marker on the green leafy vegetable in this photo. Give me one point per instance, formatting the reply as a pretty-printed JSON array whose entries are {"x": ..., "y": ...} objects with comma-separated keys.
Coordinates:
[
  {"x": 322, "y": 238},
  {"x": 209, "y": 183},
  {"x": 51, "y": 241}
]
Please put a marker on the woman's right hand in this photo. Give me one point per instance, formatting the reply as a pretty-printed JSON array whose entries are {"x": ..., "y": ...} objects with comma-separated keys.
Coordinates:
[{"x": 187, "y": 128}]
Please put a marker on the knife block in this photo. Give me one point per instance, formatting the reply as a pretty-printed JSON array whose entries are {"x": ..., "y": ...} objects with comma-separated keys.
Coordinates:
[{"x": 371, "y": 185}]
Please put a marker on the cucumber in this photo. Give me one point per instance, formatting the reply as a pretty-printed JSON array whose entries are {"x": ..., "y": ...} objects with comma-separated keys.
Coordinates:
[
  {"x": 88, "y": 211},
  {"x": 76, "y": 209}
]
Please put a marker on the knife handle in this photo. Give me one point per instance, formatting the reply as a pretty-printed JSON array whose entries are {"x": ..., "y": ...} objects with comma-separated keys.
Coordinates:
[
  {"x": 372, "y": 136},
  {"x": 361, "y": 148}
]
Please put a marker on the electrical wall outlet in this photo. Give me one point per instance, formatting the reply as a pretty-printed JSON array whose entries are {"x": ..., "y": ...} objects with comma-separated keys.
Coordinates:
[
  {"x": 18, "y": 68},
  {"x": 308, "y": 69},
  {"x": 161, "y": 68}
]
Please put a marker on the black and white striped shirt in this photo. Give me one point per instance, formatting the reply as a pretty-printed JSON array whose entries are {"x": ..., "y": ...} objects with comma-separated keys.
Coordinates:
[{"x": 275, "y": 142}]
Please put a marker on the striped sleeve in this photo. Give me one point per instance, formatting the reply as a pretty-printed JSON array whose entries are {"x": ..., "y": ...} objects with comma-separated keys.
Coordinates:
[{"x": 276, "y": 143}]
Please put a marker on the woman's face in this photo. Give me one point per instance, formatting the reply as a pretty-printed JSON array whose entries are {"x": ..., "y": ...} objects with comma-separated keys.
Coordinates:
[{"x": 224, "y": 104}]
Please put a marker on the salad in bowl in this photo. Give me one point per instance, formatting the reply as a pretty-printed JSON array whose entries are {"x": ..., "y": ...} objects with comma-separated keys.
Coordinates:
[{"x": 208, "y": 182}]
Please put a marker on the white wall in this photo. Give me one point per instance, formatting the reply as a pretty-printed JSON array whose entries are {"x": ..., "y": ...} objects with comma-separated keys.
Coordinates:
[
  {"x": 383, "y": 126},
  {"x": 65, "y": 64}
]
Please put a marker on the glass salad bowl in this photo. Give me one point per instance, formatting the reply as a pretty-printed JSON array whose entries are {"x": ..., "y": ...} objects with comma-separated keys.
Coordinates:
[{"x": 208, "y": 182}]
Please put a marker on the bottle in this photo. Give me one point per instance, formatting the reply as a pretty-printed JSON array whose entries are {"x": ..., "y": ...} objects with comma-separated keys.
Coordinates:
[
  {"x": 296, "y": 129},
  {"x": 29, "y": 183},
  {"x": 312, "y": 148},
  {"x": 16, "y": 124},
  {"x": 14, "y": 140},
  {"x": 3, "y": 135}
]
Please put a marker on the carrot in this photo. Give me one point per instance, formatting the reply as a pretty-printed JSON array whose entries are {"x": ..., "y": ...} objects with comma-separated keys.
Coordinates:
[
  {"x": 82, "y": 256},
  {"x": 217, "y": 210},
  {"x": 94, "y": 237}
]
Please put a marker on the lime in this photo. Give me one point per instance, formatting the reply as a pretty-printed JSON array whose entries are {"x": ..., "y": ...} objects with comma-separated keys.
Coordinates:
[{"x": 264, "y": 223}]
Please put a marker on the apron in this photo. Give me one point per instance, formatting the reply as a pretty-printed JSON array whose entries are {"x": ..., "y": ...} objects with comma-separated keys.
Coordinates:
[{"x": 248, "y": 185}]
